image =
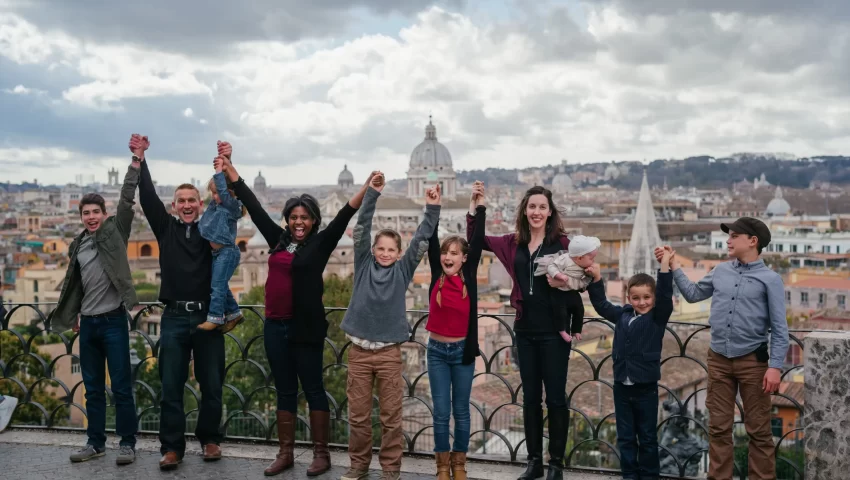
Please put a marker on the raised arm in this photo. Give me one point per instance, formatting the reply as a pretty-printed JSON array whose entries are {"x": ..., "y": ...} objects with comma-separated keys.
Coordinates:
[
  {"x": 419, "y": 242},
  {"x": 434, "y": 255},
  {"x": 363, "y": 229},
  {"x": 694, "y": 292},
  {"x": 596, "y": 291},
  {"x": 599, "y": 300},
  {"x": 663, "y": 298},
  {"x": 228, "y": 201},
  {"x": 329, "y": 237},
  {"x": 153, "y": 208},
  {"x": 778, "y": 323},
  {"x": 125, "y": 212},
  {"x": 478, "y": 239}
]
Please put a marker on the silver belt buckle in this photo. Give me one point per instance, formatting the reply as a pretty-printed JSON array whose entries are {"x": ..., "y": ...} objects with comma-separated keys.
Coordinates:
[{"x": 187, "y": 306}]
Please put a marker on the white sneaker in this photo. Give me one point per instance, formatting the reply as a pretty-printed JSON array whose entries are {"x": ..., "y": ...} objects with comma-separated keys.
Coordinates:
[{"x": 7, "y": 407}]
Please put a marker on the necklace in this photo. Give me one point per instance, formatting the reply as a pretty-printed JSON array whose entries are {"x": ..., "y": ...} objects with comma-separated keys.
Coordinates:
[{"x": 531, "y": 269}]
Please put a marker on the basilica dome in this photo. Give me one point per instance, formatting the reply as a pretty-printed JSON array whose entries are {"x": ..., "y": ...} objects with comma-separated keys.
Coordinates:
[{"x": 430, "y": 154}]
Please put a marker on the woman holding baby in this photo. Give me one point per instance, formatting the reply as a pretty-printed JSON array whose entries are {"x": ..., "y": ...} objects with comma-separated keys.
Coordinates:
[{"x": 547, "y": 303}]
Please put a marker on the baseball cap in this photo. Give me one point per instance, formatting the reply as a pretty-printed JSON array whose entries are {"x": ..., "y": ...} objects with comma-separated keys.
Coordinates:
[{"x": 750, "y": 226}]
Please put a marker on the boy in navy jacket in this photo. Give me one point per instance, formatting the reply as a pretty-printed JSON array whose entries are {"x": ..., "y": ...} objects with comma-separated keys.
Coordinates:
[{"x": 638, "y": 334}]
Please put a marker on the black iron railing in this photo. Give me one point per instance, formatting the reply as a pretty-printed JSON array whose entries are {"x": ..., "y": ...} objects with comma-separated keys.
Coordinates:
[{"x": 42, "y": 369}]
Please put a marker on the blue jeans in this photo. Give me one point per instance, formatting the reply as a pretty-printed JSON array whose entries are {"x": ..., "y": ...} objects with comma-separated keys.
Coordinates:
[
  {"x": 180, "y": 338},
  {"x": 291, "y": 362},
  {"x": 225, "y": 261},
  {"x": 636, "y": 410},
  {"x": 105, "y": 342},
  {"x": 451, "y": 385}
]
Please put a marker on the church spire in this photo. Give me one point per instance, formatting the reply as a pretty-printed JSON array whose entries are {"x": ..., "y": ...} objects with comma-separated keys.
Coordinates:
[{"x": 638, "y": 256}]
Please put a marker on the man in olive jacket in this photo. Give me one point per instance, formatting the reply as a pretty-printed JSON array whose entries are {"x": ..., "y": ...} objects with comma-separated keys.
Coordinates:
[{"x": 99, "y": 288}]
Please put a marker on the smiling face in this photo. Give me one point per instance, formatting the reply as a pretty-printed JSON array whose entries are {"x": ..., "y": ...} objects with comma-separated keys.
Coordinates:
[
  {"x": 642, "y": 298},
  {"x": 386, "y": 250},
  {"x": 537, "y": 211},
  {"x": 92, "y": 216},
  {"x": 300, "y": 223},
  {"x": 187, "y": 204},
  {"x": 452, "y": 256},
  {"x": 740, "y": 245}
]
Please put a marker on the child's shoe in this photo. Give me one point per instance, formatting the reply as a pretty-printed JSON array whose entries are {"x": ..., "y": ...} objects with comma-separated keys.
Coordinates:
[
  {"x": 208, "y": 326},
  {"x": 231, "y": 324}
]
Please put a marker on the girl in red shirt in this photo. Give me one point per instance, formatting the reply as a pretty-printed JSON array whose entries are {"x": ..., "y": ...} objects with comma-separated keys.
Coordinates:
[{"x": 453, "y": 343}]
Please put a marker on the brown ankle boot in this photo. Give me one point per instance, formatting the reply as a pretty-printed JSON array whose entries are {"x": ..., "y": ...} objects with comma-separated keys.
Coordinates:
[
  {"x": 320, "y": 430},
  {"x": 286, "y": 437},
  {"x": 443, "y": 472},
  {"x": 458, "y": 460}
]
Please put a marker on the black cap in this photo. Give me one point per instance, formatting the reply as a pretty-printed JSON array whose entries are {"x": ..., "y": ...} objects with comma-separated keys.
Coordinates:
[{"x": 750, "y": 226}]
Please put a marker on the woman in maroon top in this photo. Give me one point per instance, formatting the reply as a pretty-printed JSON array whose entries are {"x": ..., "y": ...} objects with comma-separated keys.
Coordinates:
[
  {"x": 453, "y": 342},
  {"x": 295, "y": 327},
  {"x": 543, "y": 354}
]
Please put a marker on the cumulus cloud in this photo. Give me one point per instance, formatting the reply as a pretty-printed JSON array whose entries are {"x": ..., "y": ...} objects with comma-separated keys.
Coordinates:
[{"x": 297, "y": 88}]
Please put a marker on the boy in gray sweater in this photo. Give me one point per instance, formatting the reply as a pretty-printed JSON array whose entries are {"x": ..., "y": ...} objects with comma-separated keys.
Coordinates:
[{"x": 376, "y": 324}]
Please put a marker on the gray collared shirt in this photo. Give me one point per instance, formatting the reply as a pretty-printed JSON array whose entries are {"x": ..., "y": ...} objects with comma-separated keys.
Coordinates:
[
  {"x": 747, "y": 301},
  {"x": 99, "y": 294}
]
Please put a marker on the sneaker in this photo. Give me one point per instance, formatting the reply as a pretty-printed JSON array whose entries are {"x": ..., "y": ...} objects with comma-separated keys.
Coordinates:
[
  {"x": 126, "y": 456},
  {"x": 7, "y": 408},
  {"x": 355, "y": 474},
  {"x": 385, "y": 475},
  {"x": 87, "y": 453}
]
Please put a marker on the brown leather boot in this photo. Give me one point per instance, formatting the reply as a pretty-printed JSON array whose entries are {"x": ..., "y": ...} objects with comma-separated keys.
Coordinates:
[
  {"x": 443, "y": 472},
  {"x": 320, "y": 429},
  {"x": 286, "y": 437},
  {"x": 458, "y": 460}
]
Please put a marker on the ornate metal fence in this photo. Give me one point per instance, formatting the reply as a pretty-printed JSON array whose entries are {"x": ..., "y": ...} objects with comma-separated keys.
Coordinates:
[{"x": 43, "y": 371}]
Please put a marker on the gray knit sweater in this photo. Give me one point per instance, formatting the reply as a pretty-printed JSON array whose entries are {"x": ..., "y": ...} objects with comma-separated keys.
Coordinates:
[{"x": 377, "y": 309}]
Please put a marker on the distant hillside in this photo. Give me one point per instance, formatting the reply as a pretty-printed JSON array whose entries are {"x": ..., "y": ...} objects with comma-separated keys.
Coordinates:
[{"x": 700, "y": 172}]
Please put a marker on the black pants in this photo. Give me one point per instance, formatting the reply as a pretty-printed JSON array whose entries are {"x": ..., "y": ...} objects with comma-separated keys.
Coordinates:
[
  {"x": 636, "y": 409},
  {"x": 181, "y": 339},
  {"x": 543, "y": 362},
  {"x": 291, "y": 362}
]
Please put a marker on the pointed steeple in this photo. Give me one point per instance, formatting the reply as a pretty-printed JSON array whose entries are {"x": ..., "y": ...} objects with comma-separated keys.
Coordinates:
[
  {"x": 778, "y": 193},
  {"x": 638, "y": 256}
]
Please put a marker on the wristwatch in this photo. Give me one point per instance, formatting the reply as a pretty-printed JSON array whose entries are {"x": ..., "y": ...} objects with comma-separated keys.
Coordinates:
[{"x": 136, "y": 159}]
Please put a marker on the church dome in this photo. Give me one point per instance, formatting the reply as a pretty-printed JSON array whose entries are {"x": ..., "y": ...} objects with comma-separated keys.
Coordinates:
[
  {"x": 778, "y": 207},
  {"x": 430, "y": 153},
  {"x": 260, "y": 181},
  {"x": 562, "y": 183},
  {"x": 346, "y": 178}
]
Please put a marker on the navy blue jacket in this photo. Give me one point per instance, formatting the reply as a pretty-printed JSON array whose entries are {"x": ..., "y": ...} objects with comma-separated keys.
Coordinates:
[{"x": 637, "y": 347}]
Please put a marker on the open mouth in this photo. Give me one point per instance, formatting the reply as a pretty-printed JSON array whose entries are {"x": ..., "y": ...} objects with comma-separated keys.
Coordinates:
[
  {"x": 188, "y": 211},
  {"x": 299, "y": 231},
  {"x": 92, "y": 225}
]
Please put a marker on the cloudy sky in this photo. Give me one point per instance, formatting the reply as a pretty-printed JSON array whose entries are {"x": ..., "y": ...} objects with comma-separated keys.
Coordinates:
[{"x": 302, "y": 88}]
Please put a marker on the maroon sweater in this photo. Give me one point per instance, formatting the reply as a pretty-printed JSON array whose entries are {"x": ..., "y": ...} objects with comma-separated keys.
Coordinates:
[{"x": 504, "y": 247}]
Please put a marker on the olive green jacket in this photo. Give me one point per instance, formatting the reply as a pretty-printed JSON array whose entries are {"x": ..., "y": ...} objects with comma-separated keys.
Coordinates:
[{"x": 111, "y": 240}]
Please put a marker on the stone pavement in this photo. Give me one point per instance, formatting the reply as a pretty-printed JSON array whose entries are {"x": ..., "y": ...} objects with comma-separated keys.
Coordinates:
[{"x": 43, "y": 455}]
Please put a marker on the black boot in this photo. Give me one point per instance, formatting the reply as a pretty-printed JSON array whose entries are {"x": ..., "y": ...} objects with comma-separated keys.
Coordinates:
[
  {"x": 533, "y": 420},
  {"x": 559, "y": 423}
]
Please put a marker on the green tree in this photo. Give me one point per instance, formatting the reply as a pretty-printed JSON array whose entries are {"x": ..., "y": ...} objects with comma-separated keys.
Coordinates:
[{"x": 28, "y": 370}]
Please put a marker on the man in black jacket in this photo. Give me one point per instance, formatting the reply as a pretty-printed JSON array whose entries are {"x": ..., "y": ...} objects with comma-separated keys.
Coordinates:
[{"x": 185, "y": 261}]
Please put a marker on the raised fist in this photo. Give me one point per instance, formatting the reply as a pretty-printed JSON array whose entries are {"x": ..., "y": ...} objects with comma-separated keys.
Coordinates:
[
  {"x": 433, "y": 195},
  {"x": 138, "y": 144},
  {"x": 224, "y": 149},
  {"x": 378, "y": 181}
]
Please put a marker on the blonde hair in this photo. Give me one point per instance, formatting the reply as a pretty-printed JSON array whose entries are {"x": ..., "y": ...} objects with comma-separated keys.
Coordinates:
[{"x": 211, "y": 189}]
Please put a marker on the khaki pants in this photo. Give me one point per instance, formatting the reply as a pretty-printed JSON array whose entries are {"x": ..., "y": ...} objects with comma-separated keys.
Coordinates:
[
  {"x": 364, "y": 366},
  {"x": 725, "y": 377}
]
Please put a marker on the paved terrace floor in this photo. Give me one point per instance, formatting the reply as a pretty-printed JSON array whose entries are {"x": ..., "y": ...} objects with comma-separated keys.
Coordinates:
[{"x": 43, "y": 455}]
